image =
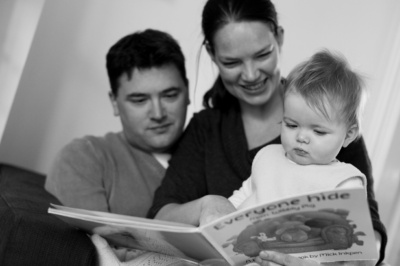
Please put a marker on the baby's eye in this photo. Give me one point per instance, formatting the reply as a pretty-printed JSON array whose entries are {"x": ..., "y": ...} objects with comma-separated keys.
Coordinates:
[
  {"x": 320, "y": 132},
  {"x": 290, "y": 125}
]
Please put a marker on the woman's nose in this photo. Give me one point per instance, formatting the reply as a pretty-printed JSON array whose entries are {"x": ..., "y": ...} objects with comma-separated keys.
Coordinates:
[{"x": 250, "y": 72}]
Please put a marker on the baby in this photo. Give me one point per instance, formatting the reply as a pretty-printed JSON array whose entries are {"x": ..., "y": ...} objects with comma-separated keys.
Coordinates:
[{"x": 323, "y": 100}]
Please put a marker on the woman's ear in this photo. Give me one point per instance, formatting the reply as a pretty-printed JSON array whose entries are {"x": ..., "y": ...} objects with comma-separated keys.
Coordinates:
[
  {"x": 351, "y": 135},
  {"x": 210, "y": 50},
  {"x": 113, "y": 103},
  {"x": 280, "y": 36}
]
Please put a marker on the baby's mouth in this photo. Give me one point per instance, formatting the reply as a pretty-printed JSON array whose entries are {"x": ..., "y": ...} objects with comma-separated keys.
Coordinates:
[{"x": 300, "y": 152}]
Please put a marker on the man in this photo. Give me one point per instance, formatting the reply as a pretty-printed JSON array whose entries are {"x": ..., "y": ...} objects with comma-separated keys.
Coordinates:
[{"x": 119, "y": 172}]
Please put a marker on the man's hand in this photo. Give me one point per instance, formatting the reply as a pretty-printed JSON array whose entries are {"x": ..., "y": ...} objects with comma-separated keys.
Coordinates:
[{"x": 214, "y": 207}]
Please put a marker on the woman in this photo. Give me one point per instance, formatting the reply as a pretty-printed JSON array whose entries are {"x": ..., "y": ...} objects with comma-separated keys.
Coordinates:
[{"x": 243, "y": 114}]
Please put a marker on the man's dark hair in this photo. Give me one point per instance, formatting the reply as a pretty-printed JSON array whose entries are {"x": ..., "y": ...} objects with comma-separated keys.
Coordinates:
[{"x": 143, "y": 50}]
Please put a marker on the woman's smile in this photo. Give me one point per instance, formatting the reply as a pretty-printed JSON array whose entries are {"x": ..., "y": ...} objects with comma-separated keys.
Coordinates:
[
  {"x": 247, "y": 55},
  {"x": 255, "y": 87}
]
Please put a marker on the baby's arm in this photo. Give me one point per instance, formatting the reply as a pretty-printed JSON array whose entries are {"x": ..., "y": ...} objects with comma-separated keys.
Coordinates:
[
  {"x": 353, "y": 182},
  {"x": 240, "y": 195}
]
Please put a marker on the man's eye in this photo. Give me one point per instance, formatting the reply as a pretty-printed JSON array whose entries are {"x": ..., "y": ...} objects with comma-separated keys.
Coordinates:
[
  {"x": 171, "y": 95},
  {"x": 138, "y": 100}
]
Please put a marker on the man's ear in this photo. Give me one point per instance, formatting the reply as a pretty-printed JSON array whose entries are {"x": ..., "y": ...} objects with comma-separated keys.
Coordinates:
[
  {"x": 351, "y": 135},
  {"x": 210, "y": 51},
  {"x": 187, "y": 100},
  {"x": 113, "y": 103}
]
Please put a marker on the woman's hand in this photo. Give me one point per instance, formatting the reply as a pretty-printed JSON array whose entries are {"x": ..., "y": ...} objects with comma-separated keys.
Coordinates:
[
  {"x": 271, "y": 258},
  {"x": 197, "y": 212},
  {"x": 214, "y": 207}
]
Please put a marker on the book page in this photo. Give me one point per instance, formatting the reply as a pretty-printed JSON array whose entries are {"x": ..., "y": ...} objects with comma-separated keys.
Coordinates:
[
  {"x": 139, "y": 233},
  {"x": 325, "y": 226}
]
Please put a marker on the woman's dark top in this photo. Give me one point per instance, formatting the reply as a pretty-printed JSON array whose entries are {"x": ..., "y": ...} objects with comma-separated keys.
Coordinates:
[{"x": 213, "y": 158}]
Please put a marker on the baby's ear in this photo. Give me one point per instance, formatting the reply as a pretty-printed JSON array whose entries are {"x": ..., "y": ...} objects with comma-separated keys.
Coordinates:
[{"x": 351, "y": 135}]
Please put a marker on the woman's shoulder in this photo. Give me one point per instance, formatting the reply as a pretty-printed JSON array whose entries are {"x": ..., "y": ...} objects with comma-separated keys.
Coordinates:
[
  {"x": 207, "y": 113},
  {"x": 270, "y": 151},
  {"x": 208, "y": 116}
]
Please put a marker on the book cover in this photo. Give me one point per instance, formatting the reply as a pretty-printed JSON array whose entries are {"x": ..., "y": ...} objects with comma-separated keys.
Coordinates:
[{"x": 325, "y": 226}]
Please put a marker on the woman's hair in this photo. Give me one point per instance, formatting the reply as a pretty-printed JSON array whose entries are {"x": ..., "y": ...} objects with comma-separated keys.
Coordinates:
[
  {"x": 218, "y": 13},
  {"x": 326, "y": 78},
  {"x": 143, "y": 50}
]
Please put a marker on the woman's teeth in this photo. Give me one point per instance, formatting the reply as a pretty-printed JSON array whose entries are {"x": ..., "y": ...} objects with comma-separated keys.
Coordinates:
[{"x": 253, "y": 87}]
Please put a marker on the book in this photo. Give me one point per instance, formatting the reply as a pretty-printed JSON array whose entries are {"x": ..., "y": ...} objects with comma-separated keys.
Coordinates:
[{"x": 325, "y": 226}]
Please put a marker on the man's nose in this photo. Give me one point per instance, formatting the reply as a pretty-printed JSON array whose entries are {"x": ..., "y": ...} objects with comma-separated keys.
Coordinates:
[{"x": 157, "y": 110}]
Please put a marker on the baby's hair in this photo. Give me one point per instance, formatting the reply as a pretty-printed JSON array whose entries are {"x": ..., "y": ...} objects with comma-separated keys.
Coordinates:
[{"x": 326, "y": 78}]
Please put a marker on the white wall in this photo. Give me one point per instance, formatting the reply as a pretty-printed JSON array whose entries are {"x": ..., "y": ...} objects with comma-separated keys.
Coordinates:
[
  {"x": 18, "y": 21},
  {"x": 63, "y": 90}
]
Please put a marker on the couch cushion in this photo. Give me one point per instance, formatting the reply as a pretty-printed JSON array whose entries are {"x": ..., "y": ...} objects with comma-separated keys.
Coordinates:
[{"x": 28, "y": 234}]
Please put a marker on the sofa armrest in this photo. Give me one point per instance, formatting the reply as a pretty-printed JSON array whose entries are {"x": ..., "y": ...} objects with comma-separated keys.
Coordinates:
[{"x": 31, "y": 236}]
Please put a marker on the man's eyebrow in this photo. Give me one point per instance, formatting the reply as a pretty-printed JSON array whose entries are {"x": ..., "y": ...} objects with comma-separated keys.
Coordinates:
[
  {"x": 135, "y": 94},
  {"x": 141, "y": 94},
  {"x": 174, "y": 88}
]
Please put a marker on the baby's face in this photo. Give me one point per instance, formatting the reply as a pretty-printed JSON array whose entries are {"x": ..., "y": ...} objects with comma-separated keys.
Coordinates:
[{"x": 308, "y": 137}]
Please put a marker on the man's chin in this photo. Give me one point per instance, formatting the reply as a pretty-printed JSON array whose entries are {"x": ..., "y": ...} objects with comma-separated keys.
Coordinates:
[{"x": 160, "y": 147}]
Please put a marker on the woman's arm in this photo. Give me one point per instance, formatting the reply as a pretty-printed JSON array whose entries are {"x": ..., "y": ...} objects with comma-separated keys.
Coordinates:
[
  {"x": 357, "y": 155},
  {"x": 184, "y": 180}
]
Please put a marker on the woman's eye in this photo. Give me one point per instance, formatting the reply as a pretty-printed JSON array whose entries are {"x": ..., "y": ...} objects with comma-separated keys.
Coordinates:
[
  {"x": 264, "y": 55},
  {"x": 230, "y": 64}
]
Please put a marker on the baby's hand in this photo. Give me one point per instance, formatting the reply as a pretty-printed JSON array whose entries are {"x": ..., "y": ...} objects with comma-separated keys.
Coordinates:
[{"x": 214, "y": 207}]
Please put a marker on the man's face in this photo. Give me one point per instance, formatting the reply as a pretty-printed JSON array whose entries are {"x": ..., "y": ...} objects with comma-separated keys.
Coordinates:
[{"x": 152, "y": 107}]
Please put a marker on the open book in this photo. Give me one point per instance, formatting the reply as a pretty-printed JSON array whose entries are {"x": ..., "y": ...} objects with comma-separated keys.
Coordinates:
[{"x": 332, "y": 225}]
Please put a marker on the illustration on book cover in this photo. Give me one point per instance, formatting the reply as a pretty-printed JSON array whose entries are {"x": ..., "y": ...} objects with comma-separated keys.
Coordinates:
[{"x": 325, "y": 229}]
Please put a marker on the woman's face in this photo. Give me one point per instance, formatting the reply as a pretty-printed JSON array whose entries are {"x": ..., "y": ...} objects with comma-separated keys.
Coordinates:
[{"x": 248, "y": 57}]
